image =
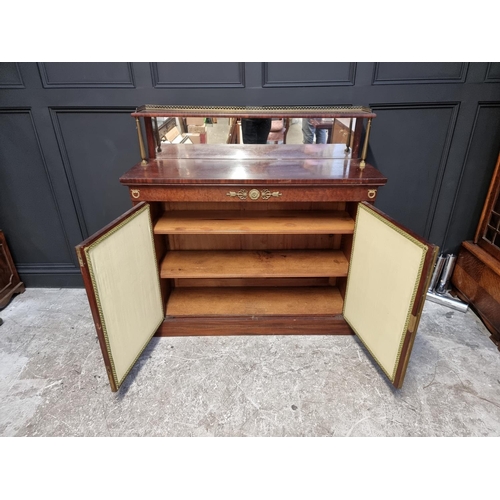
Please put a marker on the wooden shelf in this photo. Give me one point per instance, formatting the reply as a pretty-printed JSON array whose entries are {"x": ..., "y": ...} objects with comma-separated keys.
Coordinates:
[
  {"x": 253, "y": 264},
  {"x": 314, "y": 301},
  {"x": 253, "y": 222}
]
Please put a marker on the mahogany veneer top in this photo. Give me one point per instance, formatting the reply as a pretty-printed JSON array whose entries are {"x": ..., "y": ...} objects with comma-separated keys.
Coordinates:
[{"x": 251, "y": 164}]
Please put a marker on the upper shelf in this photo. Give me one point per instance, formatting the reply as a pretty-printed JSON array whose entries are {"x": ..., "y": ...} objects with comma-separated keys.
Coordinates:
[
  {"x": 158, "y": 110},
  {"x": 254, "y": 152},
  {"x": 250, "y": 222},
  {"x": 253, "y": 163}
]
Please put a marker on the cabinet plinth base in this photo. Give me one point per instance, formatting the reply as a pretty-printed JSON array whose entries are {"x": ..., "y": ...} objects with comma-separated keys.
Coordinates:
[
  {"x": 9, "y": 293},
  {"x": 196, "y": 326}
]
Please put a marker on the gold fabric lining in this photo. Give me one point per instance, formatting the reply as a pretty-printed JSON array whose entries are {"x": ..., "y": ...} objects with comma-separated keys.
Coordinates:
[
  {"x": 113, "y": 322},
  {"x": 375, "y": 290}
]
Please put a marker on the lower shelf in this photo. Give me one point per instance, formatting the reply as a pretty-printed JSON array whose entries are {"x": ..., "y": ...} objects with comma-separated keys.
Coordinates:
[
  {"x": 255, "y": 301},
  {"x": 303, "y": 310},
  {"x": 196, "y": 326}
]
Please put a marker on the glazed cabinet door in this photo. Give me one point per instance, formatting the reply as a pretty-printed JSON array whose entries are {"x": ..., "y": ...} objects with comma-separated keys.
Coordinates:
[
  {"x": 389, "y": 274},
  {"x": 121, "y": 278}
]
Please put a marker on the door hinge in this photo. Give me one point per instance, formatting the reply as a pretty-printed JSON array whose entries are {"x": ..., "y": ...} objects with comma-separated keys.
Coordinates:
[
  {"x": 80, "y": 260},
  {"x": 412, "y": 323}
]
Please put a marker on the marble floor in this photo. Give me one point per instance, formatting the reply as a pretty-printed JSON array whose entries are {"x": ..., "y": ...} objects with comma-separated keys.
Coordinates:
[{"x": 53, "y": 381}]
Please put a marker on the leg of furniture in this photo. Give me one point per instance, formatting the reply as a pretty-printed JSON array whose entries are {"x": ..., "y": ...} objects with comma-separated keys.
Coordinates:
[{"x": 10, "y": 283}]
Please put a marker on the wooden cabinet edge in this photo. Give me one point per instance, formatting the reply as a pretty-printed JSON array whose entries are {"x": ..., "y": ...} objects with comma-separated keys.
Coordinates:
[
  {"x": 94, "y": 309},
  {"x": 416, "y": 314},
  {"x": 197, "y": 326}
]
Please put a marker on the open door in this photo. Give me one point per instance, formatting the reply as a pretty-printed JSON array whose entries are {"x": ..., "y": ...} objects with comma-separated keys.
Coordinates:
[
  {"x": 121, "y": 278},
  {"x": 389, "y": 274}
]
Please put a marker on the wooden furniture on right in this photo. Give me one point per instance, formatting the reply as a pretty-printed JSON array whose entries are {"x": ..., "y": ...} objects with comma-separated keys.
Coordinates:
[
  {"x": 477, "y": 272},
  {"x": 10, "y": 283},
  {"x": 338, "y": 132}
]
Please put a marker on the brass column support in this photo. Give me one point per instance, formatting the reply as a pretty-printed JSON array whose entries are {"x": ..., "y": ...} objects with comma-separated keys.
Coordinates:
[
  {"x": 348, "y": 141},
  {"x": 362, "y": 164},
  {"x": 157, "y": 134},
  {"x": 144, "y": 158}
]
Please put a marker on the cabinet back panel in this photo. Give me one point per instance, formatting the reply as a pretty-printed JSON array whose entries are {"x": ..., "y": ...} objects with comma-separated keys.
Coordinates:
[
  {"x": 252, "y": 282},
  {"x": 254, "y": 241}
]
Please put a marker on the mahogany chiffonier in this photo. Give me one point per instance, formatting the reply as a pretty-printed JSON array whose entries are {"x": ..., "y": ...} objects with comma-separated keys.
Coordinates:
[{"x": 235, "y": 239}]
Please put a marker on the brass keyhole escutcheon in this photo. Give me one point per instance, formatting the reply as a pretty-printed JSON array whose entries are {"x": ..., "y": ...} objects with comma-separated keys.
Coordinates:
[
  {"x": 254, "y": 194},
  {"x": 372, "y": 193},
  {"x": 135, "y": 193}
]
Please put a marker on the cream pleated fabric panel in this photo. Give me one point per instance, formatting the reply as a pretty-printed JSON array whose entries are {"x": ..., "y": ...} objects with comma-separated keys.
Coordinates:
[
  {"x": 384, "y": 272},
  {"x": 125, "y": 279}
]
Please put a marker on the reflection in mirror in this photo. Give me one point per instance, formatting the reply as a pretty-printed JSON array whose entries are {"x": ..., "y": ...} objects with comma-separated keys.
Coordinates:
[{"x": 195, "y": 130}]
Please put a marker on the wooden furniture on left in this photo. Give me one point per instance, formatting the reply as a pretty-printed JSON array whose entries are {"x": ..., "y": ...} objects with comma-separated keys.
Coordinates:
[{"x": 10, "y": 283}]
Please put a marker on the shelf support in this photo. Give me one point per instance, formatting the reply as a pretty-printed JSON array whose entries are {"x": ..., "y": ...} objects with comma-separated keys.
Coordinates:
[
  {"x": 362, "y": 164},
  {"x": 144, "y": 158},
  {"x": 348, "y": 140},
  {"x": 157, "y": 135}
]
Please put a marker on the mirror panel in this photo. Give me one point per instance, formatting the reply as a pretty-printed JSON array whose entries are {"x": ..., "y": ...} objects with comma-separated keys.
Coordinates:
[
  {"x": 275, "y": 125},
  {"x": 213, "y": 130}
]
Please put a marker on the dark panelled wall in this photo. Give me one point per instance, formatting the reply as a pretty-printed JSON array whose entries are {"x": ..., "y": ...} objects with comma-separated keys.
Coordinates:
[{"x": 66, "y": 136}]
